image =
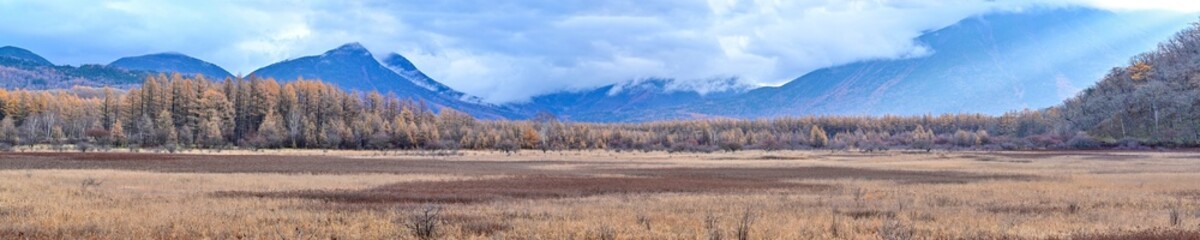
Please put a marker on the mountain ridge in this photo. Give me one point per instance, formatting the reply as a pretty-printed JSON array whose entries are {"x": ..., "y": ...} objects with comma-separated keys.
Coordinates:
[
  {"x": 405, "y": 68},
  {"x": 22, "y": 54},
  {"x": 171, "y": 62}
]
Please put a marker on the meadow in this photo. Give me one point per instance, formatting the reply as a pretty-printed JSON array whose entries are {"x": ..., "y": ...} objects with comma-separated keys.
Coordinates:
[{"x": 317, "y": 194}]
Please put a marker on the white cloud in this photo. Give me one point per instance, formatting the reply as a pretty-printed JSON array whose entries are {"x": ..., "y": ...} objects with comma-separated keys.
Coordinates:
[
  {"x": 1168, "y": 5},
  {"x": 509, "y": 50}
]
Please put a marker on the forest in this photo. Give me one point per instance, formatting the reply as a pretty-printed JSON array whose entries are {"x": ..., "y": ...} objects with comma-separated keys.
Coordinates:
[{"x": 1150, "y": 103}]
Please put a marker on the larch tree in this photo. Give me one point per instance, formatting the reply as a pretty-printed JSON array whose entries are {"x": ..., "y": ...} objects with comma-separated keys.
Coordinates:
[
  {"x": 210, "y": 132},
  {"x": 118, "y": 133},
  {"x": 922, "y": 139},
  {"x": 271, "y": 130},
  {"x": 165, "y": 128},
  {"x": 819, "y": 138},
  {"x": 8, "y": 131},
  {"x": 529, "y": 138}
]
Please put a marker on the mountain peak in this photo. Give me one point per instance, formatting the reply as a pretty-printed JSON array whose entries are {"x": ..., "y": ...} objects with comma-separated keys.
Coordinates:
[
  {"x": 22, "y": 54},
  {"x": 352, "y": 67},
  {"x": 399, "y": 61},
  {"x": 405, "y": 68},
  {"x": 174, "y": 54},
  {"x": 353, "y": 48},
  {"x": 353, "y": 45}
]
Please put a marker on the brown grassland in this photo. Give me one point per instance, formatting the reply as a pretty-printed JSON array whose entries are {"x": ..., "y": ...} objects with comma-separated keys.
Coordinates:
[{"x": 303, "y": 194}]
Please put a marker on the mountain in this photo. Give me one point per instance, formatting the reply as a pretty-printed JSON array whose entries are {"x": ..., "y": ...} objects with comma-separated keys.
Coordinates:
[
  {"x": 992, "y": 64},
  {"x": 20, "y": 68},
  {"x": 11, "y": 53},
  {"x": 987, "y": 64},
  {"x": 633, "y": 101},
  {"x": 351, "y": 66},
  {"x": 171, "y": 63}
]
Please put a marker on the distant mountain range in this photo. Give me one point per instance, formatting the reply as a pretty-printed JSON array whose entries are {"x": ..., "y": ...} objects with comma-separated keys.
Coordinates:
[
  {"x": 989, "y": 64},
  {"x": 633, "y": 101},
  {"x": 20, "y": 68},
  {"x": 986, "y": 64}
]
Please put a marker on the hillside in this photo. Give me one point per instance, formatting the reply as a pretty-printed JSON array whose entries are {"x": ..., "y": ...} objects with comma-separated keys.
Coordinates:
[{"x": 1152, "y": 100}]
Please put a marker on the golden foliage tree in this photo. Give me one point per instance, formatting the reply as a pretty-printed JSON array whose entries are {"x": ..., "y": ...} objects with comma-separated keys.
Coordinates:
[{"x": 819, "y": 138}]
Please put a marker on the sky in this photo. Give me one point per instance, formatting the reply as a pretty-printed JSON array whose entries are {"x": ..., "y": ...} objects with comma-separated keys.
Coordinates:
[{"x": 508, "y": 51}]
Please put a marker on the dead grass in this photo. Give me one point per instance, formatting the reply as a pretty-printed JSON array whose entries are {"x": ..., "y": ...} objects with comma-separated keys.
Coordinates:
[
  {"x": 869, "y": 213},
  {"x": 192, "y": 163},
  {"x": 602, "y": 195},
  {"x": 1146, "y": 234},
  {"x": 529, "y": 187},
  {"x": 824, "y": 172}
]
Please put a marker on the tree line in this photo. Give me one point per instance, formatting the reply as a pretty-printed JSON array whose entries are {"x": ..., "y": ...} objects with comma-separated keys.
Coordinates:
[{"x": 174, "y": 112}]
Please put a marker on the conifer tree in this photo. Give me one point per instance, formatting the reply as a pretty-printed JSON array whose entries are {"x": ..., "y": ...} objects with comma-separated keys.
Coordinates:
[{"x": 819, "y": 138}]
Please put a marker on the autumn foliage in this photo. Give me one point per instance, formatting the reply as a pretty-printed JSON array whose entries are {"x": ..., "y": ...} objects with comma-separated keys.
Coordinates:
[{"x": 174, "y": 112}]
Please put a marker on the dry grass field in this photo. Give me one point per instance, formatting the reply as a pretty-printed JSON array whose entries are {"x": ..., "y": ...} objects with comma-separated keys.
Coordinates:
[{"x": 600, "y": 195}]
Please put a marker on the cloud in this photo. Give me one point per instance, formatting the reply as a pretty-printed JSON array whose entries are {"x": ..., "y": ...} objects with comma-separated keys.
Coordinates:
[
  {"x": 1167, "y": 5},
  {"x": 506, "y": 51},
  {"x": 239, "y": 35}
]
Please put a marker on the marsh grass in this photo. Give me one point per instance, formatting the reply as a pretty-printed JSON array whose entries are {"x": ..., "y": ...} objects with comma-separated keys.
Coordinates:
[{"x": 796, "y": 195}]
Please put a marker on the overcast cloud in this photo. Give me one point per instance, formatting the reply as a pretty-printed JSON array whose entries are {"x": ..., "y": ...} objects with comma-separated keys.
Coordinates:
[{"x": 507, "y": 51}]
